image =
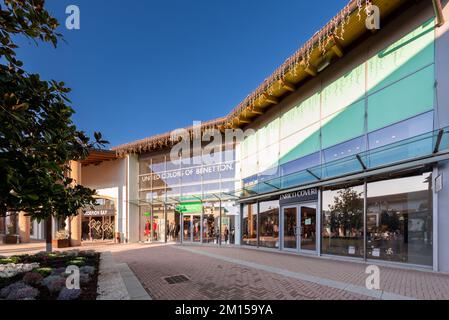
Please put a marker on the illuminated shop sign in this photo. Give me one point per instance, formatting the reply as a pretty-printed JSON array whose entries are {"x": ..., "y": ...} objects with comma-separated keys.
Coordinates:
[
  {"x": 218, "y": 168},
  {"x": 99, "y": 213},
  {"x": 299, "y": 196}
]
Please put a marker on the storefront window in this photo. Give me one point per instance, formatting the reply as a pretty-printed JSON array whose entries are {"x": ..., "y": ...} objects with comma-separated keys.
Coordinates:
[
  {"x": 2, "y": 225},
  {"x": 399, "y": 220},
  {"x": 269, "y": 224},
  {"x": 342, "y": 232},
  {"x": 249, "y": 224}
]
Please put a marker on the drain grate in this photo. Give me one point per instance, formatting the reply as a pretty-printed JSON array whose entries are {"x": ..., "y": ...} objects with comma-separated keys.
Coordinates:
[{"x": 176, "y": 279}]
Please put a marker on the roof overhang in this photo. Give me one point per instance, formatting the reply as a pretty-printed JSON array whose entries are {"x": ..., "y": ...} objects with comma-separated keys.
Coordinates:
[
  {"x": 96, "y": 157},
  {"x": 328, "y": 45}
]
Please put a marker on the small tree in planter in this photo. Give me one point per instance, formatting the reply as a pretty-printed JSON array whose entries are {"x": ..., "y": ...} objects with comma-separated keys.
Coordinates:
[
  {"x": 11, "y": 237},
  {"x": 38, "y": 138},
  {"x": 62, "y": 239}
]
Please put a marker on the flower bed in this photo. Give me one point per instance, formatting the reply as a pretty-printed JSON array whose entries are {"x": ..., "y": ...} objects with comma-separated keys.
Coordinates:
[{"x": 43, "y": 276}]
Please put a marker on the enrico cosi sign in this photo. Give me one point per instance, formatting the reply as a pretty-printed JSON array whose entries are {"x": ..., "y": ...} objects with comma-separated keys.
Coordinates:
[{"x": 299, "y": 196}]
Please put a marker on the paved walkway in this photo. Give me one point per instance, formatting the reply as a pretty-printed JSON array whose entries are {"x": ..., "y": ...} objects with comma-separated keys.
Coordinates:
[{"x": 239, "y": 273}]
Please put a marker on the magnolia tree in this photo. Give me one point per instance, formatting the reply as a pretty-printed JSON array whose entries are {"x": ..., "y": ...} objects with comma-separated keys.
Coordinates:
[{"x": 37, "y": 136}]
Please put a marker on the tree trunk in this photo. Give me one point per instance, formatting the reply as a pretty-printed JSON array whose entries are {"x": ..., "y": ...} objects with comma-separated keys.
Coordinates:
[{"x": 48, "y": 234}]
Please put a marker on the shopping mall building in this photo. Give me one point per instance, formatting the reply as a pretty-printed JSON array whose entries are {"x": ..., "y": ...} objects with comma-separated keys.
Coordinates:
[{"x": 342, "y": 152}]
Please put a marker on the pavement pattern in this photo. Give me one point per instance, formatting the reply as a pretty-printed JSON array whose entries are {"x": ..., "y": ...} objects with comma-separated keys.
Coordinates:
[{"x": 233, "y": 273}]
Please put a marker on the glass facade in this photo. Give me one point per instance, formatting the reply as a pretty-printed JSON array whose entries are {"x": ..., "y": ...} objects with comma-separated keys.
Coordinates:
[
  {"x": 342, "y": 230},
  {"x": 269, "y": 224},
  {"x": 358, "y": 121},
  {"x": 386, "y": 99},
  {"x": 187, "y": 198},
  {"x": 399, "y": 220},
  {"x": 249, "y": 224}
]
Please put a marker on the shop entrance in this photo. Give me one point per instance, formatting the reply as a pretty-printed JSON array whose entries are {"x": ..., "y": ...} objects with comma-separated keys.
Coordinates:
[
  {"x": 299, "y": 227},
  {"x": 191, "y": 231}
]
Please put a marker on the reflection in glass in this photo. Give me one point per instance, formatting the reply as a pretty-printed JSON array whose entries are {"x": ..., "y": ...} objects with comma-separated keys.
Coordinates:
[
  {"x": 187, "y": 228},
  {"x": 400, "y": 131},
  {"x": 342, "y": 232},
  {"x": 344, "y": 149},
  {"x": 399, "y": 220},
  {"x": 290, "y": 228},
  {"x": 269, "y": 224},
  {"x": 300, "y": 164},
  {"x": 308, "y": 227},
  {"x": 249, "y": 224}
]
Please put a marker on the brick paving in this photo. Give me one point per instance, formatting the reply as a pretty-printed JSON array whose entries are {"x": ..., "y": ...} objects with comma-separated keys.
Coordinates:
[
  {"x": 214, "y": 279},
  {"x": 406, "y": 282},
  {"x": 239, "y": 273}
]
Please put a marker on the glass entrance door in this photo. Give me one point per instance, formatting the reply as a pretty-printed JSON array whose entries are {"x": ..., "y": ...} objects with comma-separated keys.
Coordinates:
[
  {"x": 191, "y": 228},
  {"x": 299, "y": 227},
  {"x": 187, "y": 228},
  {"x": 290, "y": 221},
  {"x": 308, "y": 227}
]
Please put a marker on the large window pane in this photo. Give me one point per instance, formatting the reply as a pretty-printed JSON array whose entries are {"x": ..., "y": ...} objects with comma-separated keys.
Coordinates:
[
  {"x": 401, "y": 131},
  {"x": 399, "y": 220},
  {"x": 301, "y": 116},
  {"x": 300, "y": 144},
  {"x": 269, "y": 224},
  {"x": 408, "y": 97},
  {"x": 412, "y": 52},
  {"x": 343, "y": 92},
  {"x": 249, "y": 224},
  {"x": 300, "y": 164},
  {"x": 344, "y": 149},
  {"x": 344, "y": 125},
  {"x": 342, "y": 232}
]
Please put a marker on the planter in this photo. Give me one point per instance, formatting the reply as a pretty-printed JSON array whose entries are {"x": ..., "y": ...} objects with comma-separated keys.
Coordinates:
[
  {"x": 63, "y": 243},
  {"x": 10, "y": 239}
]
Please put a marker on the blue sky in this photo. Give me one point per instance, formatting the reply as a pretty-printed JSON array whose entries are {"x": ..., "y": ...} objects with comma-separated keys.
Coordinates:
[{"x": 143, "y": 67}]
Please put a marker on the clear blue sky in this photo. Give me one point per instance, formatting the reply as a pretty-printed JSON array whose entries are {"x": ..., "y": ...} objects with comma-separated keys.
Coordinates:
[{"x": 143, "y": 67}]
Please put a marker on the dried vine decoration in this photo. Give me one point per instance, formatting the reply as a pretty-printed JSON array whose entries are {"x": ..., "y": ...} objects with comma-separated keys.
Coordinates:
[{"x": 359, "y": 6}]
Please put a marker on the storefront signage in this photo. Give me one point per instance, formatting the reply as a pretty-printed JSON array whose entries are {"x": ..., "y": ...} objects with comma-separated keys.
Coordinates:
[
  {"x": 99, "y": 213},
  {"x": 218, "y": 168},
  {"x": 299, "y": 196},
  {"x": 190, "y": 207}
]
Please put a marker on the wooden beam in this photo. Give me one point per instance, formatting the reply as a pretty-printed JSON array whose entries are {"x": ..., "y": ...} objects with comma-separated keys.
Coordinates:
[
  {"x": 337, "y": 47},
  {"x": 287, "y": 85},
  {"x": 311, "y": 70},
  {"x": 271, "y": 99},
  {"x": 256, "y": 110},
  {"x": 244, "y": 120}
]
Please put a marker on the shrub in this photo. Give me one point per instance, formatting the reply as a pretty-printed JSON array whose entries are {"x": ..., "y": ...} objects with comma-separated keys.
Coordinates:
[
  {"x": 13, "y": 259},
  {"x": 54, "y": 283},
  {"x": 72, "y": 253},
  {"x": 25, "y": 293},
  {"x": 32, "y": 278},
  {"x": 6, "y": 291},
  {"x": 5, "y": 261},
  {"x": 58, "y": 271},
  {"x": 88, "y": 253},
  {"x": 88, "y": 270},
  {"x": 44, "y": 272},
  {"x": 79, "y": 262},
  {"x": 69, "y": 294},
  {"x": 84, "y": 278}
]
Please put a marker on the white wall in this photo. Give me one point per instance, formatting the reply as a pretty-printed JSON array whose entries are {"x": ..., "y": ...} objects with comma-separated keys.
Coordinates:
[
  {"x": 132, "y": 208},
  {"x": 109, "y": 179},
  {"x": 442, "y": 54}
]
